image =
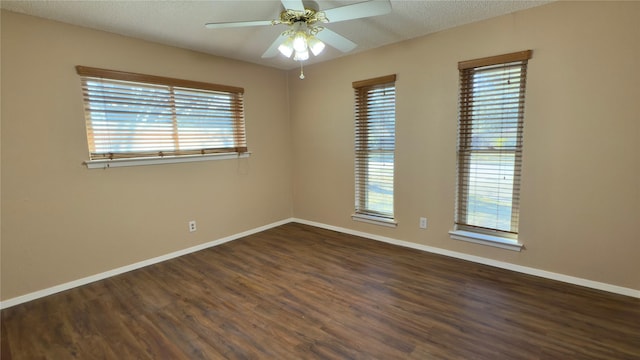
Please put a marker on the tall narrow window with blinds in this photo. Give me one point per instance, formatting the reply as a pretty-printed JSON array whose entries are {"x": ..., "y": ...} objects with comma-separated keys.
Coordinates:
[
  {"x": 142, "y": 116},
  {"x": 490, "y": 128},
  {"x": 375, "y": 119}
]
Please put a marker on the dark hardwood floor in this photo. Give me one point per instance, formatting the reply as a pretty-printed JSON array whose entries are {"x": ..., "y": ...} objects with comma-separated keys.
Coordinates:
[{"x": 299, "y": 292}]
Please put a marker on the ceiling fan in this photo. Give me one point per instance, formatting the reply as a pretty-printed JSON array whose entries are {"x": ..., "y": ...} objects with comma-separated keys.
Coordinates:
[{"x": 304, "y": 31}]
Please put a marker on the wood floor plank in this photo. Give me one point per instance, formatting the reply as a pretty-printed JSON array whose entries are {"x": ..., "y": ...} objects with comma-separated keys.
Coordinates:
[{"x": 300, "y": 292}]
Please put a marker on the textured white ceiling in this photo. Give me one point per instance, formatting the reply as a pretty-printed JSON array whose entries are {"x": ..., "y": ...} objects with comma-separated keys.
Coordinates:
[{"x": 181, "y": 23}]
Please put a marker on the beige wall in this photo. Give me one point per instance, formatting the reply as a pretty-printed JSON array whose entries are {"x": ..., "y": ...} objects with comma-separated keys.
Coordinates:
[
  {"x": 580, "y": 203},
  {"x": 581, "y": 179},
  {"x": 61, "y": 221}
]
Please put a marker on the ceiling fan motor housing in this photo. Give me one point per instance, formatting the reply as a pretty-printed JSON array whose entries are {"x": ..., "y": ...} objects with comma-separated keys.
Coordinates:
[{"x": 308, "y": 16}]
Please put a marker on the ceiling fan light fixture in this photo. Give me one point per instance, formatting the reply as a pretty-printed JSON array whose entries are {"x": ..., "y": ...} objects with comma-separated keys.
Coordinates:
[
  {"x": 286, "y": 48},
  {"x": 316, "y": 46},
  {"x": 300, "y": 41},
  {"x": 301, "y": 55}
]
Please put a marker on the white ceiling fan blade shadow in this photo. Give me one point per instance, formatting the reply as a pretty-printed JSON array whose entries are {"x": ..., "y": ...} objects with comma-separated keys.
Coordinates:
[
  {"x": 336, "y": 40},
  {"x": 237, "y": 24},
  {"x": 293, "y": 5},
  {"x": 273, "y": 49},
  {"x": 359, "y": 10}
]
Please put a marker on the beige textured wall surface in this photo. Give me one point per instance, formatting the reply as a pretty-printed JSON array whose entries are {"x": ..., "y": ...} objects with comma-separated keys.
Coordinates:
[
  {"x": 580, "y": 198},
  {"x": 62, "y": 222}
]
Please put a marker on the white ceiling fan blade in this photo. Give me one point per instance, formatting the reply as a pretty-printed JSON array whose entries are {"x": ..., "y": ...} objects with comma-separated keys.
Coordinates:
[
  {"x": 336, "y": 40},
  {"x": 237, "y": 24},
  {"x": 293, "y": 5},
  {"x": 359, "y": 10},
  {"x": 273, "y": 49}
]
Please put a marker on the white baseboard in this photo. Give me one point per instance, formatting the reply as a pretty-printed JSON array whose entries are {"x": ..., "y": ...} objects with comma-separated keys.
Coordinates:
[
  {"x": 107, "y": 274},
  {"x": 500, "y": 264},
  {"x": 477, "y": 259}
]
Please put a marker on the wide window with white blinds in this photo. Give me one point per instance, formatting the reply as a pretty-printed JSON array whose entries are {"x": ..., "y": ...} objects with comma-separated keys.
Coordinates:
[
  {"x": 490, "y": 128},
  {"x": 375, "y": 118},
  {"x": 142, "y": 116}
]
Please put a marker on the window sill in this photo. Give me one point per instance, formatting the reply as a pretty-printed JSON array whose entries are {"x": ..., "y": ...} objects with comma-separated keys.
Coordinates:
[
  {"x": 104, "y": 164},
  {"x": 375, "y": 220},
  {"x": 496, "y": 241}
]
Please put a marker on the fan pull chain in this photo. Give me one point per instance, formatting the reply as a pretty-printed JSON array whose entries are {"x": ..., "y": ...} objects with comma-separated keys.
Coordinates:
[{"x": 301, "y": 72}]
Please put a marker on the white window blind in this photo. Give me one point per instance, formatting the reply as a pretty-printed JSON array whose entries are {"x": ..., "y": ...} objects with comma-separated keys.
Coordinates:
[
  {"x": 135, "y": 116},
  {"x": 375, "y": 146},
  {"x": 492, "y": 95}
]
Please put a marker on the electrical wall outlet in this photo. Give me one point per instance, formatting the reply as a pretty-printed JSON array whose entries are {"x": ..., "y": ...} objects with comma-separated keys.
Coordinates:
[
  {"x": 192, "y": 226},
  {"x": 423, "y": 223}
]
